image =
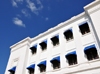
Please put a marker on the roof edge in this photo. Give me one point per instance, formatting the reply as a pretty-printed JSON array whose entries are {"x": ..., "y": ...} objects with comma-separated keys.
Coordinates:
[
  {"x": 91, "y": 4},
  {"x": 26, "y": 39},
  {"x": 58, "y": 26}
]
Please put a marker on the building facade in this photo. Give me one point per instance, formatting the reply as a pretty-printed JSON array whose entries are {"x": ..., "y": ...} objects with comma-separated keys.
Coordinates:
[{"x": 72, "y": 47}]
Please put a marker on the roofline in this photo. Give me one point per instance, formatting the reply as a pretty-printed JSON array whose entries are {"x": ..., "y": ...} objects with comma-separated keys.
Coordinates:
[
  {"x": 92, "y": 4},
  {"x": 26, "y": 39},
  {"x": 58, "y": 26},
  {"x": 66, "y": 22}
]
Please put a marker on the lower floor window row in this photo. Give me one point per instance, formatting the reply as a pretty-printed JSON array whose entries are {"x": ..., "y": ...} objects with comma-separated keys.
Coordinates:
[
  {"x": 12, "y": 70},
  {"x": 90, "y": 52}
]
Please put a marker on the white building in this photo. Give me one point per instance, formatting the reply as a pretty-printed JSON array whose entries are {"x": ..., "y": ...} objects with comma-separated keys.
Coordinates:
[{"x": 72, "y": 47}]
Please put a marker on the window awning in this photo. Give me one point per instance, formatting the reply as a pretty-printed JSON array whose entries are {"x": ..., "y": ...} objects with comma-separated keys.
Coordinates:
[
  {"x": 31, "y": 66},
  {"x": 12, "y": 69},
  {"x": 57, "y": 36},
  {"x": 35, "y": 46},
  {"x": 74, "y": 52},
  {"x": 68, "y": 30},
  {"x": 92, "y": 46},
  {"x": 45, "y": 41},
  {"x": 56, "y": 58},
  {"x": 42, "y": 63},
  {"x": 83, "y": 23}
]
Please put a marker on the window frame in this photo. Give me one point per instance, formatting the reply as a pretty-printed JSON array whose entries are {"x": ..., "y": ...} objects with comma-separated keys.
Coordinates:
[
  {"x": 55, "y": 40},
  {"x": 33, "y": 49},
  {"x": 43, "y": 47},
  {"x": 42, "y": 68},
  {"x": 12, "y": 70},
  {"x": 69, "y": 38},
  {"x": 56, "y": 64},
  {"x": 93, "y": 51},
  {"x": 31, "y": 71},
  {"x": 73, "y": 60},
  {"x": 42, "y": 65},
  {"x": 86, "y": 32}
]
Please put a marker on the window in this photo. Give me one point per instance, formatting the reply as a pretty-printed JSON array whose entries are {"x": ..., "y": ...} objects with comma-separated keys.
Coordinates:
[
  {"x": 55, "y": 40},
  {"x": 12, "y": 70},
  {"x": 31, "y": 69},
  {"x": 91, "y": 52},
  {"x": 42, "y": 66},
  {"x": 68, "y": 34},
  {"x": 84, "y": 28},
  {"x": 43, "y": 45},
  {"x": 71, "y": 58},
  {"x": 34, "y": 49},
  {"x": 56, "y": 62}
]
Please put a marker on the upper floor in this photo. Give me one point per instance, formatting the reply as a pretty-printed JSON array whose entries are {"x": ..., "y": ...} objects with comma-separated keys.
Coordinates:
[{"x": 74, "y": 37}]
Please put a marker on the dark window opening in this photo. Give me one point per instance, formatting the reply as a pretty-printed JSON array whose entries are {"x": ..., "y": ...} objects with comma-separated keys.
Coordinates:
[
  {"x": 68, "y": 35},
  {"x": 72, "y": 59},
  {"x": 55, "y": 41},
  {"x": 42, "y": 68},
  {"x": 84, "y": 28},
  {"x": 56, "y": 64},
  {"x": 91, "y": 54},
  {"x": 33, "y": 50},
  {"x": 31, "y": 71},
  {"x": 12, "y": 72},
  {"x": 43, "y": 45}
]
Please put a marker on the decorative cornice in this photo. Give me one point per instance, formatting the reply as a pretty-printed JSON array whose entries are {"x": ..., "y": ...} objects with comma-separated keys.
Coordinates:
[
  {"x": 22, "y": 41},
  {"x": 58, "y": 26},
  {"x": 92, "y": 4},
  {"x": 50, "y": 30}
]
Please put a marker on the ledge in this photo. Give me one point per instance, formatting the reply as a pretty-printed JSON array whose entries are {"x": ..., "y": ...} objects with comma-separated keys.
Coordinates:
[
  {"x": 58, "y": 26},
  {"x": 95, "y": 60},
  {"x": 92, "y": 4},
  {"x": 56, "y": 69},
  {"x": 26, "y": 39},
  {"x": 50, "y": 30}
]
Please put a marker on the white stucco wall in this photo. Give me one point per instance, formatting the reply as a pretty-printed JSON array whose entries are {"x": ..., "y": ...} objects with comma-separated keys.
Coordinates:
[{"x": 22, "y": 57}]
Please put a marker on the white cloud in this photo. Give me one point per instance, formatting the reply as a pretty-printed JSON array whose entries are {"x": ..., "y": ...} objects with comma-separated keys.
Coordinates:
[
  {"x": 33, "y": 7},
  {"x": 18, "y": 15},
  {"x": 25, "y": 12},
  {"x": 14, "y": 3},
  {"x": 19, "y": 1},
  {"x": 41, "y": 6},
  {"x": 18, "y": 22},
  {"x": 46, "y": 18}
]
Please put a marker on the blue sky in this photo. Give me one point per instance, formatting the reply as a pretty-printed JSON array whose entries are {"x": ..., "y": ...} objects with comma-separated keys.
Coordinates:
[{"x": 22, "y": 18}]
